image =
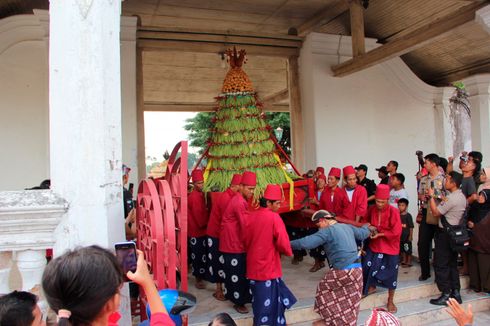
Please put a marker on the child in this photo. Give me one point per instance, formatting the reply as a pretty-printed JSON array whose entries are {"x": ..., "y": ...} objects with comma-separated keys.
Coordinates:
[
  {"x": 398, "y": 190},
  {"x": 407, "y": 233},
  {"x": 82, "y": 287},
  {"x": 20, "y": 309}
]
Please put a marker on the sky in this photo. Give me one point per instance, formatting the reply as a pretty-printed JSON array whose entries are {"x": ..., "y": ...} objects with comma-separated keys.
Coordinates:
[{"x": 163, "y": 130}]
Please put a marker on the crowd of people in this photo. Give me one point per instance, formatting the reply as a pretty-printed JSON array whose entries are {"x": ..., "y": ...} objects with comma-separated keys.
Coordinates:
[{"x": 363, "y": 231}]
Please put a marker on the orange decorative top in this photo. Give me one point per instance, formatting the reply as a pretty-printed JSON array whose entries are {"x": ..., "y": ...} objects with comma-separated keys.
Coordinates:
[{"x": 236, "y": 79}]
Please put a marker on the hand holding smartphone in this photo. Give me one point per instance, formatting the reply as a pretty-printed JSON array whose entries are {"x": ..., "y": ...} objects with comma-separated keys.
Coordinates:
[{"x": 127, "y": 257}]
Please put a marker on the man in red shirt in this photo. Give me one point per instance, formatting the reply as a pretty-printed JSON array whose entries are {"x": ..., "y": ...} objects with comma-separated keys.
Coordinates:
[
  {"x": 197, "y": 220},
  {"x": 215, "y": 258},
  {"x": 231, "y": 244},
  {"x": 354, "y": 201},
  {"x": 381, "y": 262},
  {"x": 331, "y": 199},
  {"x": 265, "y": 240}
]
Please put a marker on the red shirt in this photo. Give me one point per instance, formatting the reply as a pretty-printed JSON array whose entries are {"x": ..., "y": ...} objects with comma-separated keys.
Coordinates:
[
  {"x": 233, "y": 226},
  {"x": 219, "y": 206},
  {"x": 389, "y": 223},
  {"x": 334, "y": 204},
  {"x": 197, "y": 214},
  {"x": 265, "y": 240},
  {"x": 356, "y": 207}
]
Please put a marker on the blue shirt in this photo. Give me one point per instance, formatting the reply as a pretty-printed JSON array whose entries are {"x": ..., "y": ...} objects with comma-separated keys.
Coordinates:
[{"x": 339, "y": 242}]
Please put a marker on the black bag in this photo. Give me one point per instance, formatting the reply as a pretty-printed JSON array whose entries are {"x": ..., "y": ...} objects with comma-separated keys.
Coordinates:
[{"x": 459, "y": 237}]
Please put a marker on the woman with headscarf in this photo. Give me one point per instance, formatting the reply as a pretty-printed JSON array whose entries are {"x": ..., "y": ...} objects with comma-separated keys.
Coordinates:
[{"x": 479, "y": 252}]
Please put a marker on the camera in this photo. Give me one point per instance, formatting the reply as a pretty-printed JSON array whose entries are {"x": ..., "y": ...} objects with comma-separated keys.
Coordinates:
[{"x": 419, "y": 153}]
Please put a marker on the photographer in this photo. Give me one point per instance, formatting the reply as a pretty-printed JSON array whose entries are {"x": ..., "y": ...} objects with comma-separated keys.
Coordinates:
[{"x": 446, "y": 259}]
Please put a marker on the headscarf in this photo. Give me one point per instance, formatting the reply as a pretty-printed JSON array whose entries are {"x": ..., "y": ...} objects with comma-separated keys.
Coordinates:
[{"x": 486, "y": 184}]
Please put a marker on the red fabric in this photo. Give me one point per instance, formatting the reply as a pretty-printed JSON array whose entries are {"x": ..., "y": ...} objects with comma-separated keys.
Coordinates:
[
  {"x": 389, "y": 223},
  {"x": 273, "y": 192},
  {"x": 197, "y": 176},
  {"x": 349, "y": 169},
  {"x": 233, "y": 226},
  {"x": 296, "y": 219},
  {"x": 161, "y": 319},
  {"x": 320, "y": 169},
  {"x": 334, "y": 172},
  {"x": 323, "y": 177},
  {"x": 197, "y": 214},
  {"x": 382, "y": 192},
  {"x": 217, "y": 210},
  {"x": 358, "y": 206},
  {"x": 265, "y": 240},
  {"x": 236, "y": 180},
  {"x": 335, "y": 205},
  {"x": 249, "y": 178}
]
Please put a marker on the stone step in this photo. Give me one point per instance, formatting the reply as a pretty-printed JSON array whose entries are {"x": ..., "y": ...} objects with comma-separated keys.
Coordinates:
[{"x": 302, "y": 311}]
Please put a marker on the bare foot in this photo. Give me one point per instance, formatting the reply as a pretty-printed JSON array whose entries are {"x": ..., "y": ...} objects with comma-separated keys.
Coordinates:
[
  {"x": 218, "y": 295},
  {"x": 200, "y": 284},
  {"x": 391, "y": 307},
  {"x": 241, "y": 309}
]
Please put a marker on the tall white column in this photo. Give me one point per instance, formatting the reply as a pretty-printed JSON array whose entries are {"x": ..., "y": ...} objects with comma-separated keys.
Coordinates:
[
  {"x": 479, "y": 90},
  {"x": 444, "y": 143}
]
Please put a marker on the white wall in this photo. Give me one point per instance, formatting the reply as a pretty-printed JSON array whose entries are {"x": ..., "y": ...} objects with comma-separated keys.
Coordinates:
[
  {"x": 24, "y": 120},
  {"x": 379, "y": 114}
]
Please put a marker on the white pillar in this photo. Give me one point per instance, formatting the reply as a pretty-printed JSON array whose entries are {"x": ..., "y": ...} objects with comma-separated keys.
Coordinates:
[
  {"x": 5, "y": 267},
  {"x": 85, "y": 120},
  {"x": 31, "y": 265},
  {"x": 479, "y": 90},
  {"x": 443, "y": 129}
]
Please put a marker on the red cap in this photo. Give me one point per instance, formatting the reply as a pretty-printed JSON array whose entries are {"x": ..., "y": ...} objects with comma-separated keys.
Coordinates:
[
  {"x": 382, "y": 192},
  {"x": 197, "y": 176},
  {"x": 349, "y": 169},
  {"x": 320, "y": 169},
  {"x": 249, "y": 179},
  {"x": 236, "y": 180},
  {"x": 273, "y": 192},
  {"x": 334, "y": 172},
  {"x": 323, "y": 177}
]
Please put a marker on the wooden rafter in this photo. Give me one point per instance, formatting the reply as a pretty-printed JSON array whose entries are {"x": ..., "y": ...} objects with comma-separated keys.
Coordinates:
[
  {"x": 357, "y": 28},
  {"x": 201, "y": 106},
  {"x": 323, "y": 17},
  {"x": 276, "y": 97},
  {"x": 460, "y": 73},
  {"x": 409, "y": 42}
]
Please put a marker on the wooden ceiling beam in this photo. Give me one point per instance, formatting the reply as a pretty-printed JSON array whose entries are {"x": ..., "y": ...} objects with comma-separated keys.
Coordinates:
[
  {"x": 356, "y": 11},
  {"x": 151, "y": 39},
  {"x": 409, "y": 42},
  {"x": 461, "y": 73},
  {"x": 276, "y": 97},
  {"x": 323, "y": 17},
  {"x": 157, "y": 106}
]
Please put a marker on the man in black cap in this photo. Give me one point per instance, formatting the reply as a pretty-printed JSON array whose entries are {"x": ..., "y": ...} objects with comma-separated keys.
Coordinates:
[
  {"x": 383, "y": 175},
  {"x": 366, "y": 183}
]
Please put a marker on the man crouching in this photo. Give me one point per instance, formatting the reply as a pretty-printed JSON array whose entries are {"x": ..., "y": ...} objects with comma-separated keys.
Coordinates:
[{"x": 338, "y": 294}]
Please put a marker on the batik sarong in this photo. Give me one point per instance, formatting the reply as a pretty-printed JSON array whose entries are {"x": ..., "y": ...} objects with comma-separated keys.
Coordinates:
[
  {"x": 379, "y": 270},
  {"x": 215, "y": 259},
  {"x": 270, "y": 300},
  {"x": 338, "y": 296},
  {"x": 236, "y": 285},
  {"x": 198, "y": 249}
]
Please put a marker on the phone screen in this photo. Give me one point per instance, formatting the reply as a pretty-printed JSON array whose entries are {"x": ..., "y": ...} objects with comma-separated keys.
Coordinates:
[{"x": 126, "y": 256}]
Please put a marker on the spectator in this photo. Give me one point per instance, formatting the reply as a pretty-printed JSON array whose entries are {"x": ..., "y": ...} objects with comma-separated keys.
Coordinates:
[
  {"x": 127, "y": 195},
  {"x": 266, "y": 240},
  {"x": 197, "y": 218},
  {"x": 82, "y": 287},
  {"x": 20, "y": 309},
  {"x": 407, "y": 233},
  {"x": 381, "y": 262},
  {"x": 214, "y": 273},
  {"x": 383, "y": 175},
  {"x": 391, "y": 168},
  {"x": 433, "y": 180},
  {"x": 468, "y": 187},
  {"x": 366, "y": 183},
  {"x": 445, "y": 262},
  {"x": 398, "y": 190},
  {"x": 338, "y": 294},
  {"x": 222, "y": 319}
]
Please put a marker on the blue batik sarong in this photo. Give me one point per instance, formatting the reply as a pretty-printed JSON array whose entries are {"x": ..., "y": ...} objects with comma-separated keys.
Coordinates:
[
  {"x": 270, "y": 300},
  {"x": 379, "y": 270}
]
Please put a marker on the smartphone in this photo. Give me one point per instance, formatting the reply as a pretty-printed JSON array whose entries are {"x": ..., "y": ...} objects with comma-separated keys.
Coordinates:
[{"x": 127, "y": 257}]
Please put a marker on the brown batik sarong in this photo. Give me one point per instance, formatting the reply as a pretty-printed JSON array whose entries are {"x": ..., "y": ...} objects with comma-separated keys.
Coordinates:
[{"x": 338, "y": 296}]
